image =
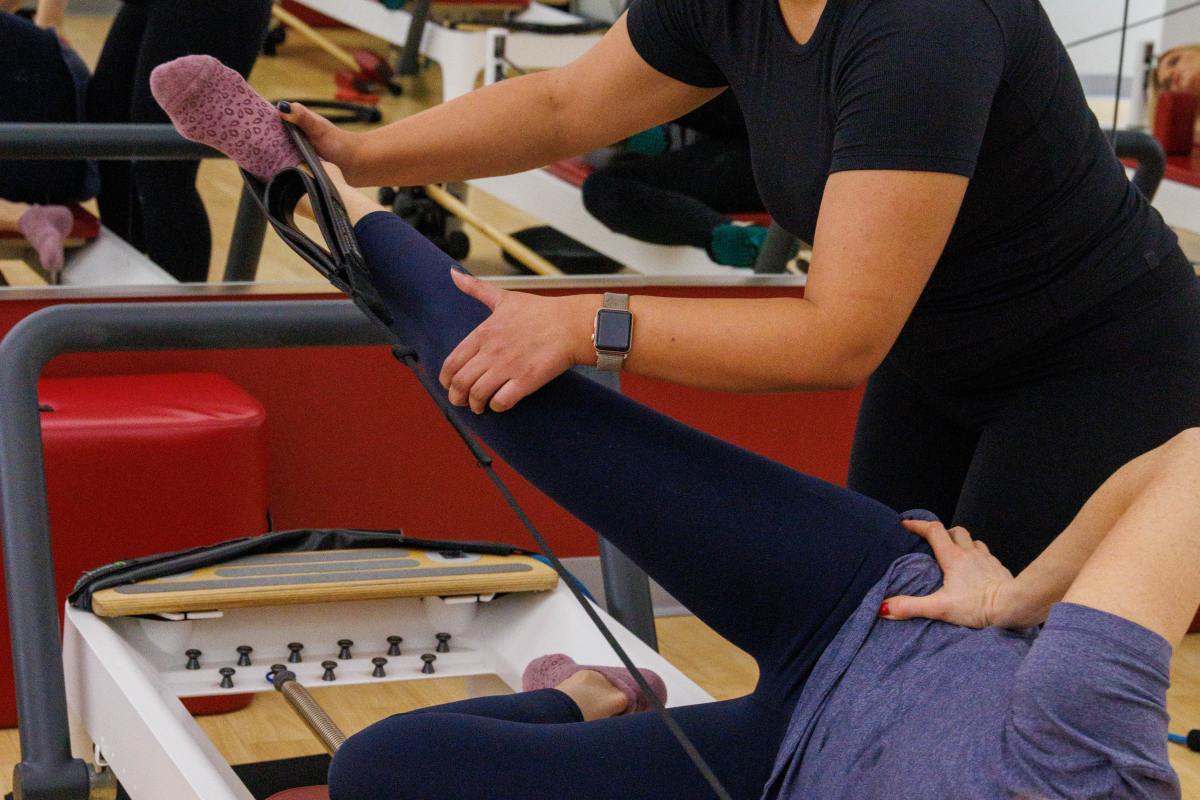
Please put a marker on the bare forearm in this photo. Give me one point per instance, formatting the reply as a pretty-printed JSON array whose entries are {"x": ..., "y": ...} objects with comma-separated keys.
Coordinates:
[
  {"x": 515, "y": 125},
  {"x": 770, "y": 345}
]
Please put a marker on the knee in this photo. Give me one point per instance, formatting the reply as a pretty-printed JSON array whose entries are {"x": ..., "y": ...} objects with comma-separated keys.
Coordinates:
[{"x": 602, "y": 195}]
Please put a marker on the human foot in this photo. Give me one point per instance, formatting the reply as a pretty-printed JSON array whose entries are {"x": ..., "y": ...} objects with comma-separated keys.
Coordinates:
[
  {"x": 561, "y": 672},
  {"x": 212, "y": 104},
  {"x": 46, "y": 228}
]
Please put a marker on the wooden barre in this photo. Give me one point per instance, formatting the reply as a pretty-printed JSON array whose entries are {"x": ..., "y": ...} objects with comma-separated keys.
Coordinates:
[
  {"x": 304, "y": 29},
  {"x": 519, "y": 251}
]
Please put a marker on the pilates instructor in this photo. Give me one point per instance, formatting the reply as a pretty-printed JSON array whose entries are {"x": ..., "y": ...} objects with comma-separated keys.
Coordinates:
[{"x": 1024, "y": 320}]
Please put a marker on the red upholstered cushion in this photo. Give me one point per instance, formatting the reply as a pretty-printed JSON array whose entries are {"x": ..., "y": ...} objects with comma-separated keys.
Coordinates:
[
  {"x": 303, "y": 793},
  {"x": 144, "y": 464}
]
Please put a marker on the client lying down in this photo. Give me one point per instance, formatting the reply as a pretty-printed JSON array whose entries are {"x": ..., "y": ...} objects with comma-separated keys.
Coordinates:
[{"x": 897, "y": 659}]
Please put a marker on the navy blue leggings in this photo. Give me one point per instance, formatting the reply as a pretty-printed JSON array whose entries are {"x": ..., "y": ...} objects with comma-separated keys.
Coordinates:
[{"x": 773, "y": 560}]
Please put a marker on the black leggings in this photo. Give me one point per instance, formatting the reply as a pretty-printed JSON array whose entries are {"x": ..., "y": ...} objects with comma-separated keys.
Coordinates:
[
  {"x": 154, "y": 205},
  {"x": 36, "y": 85},
  {"x": 773, "y": 560},
  {"x": 678, "y": 197},
  {"x": 1013, "y": 453}
]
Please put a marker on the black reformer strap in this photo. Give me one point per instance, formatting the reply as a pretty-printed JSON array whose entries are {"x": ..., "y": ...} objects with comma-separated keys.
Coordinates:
[{"x": 342, "y": 263}]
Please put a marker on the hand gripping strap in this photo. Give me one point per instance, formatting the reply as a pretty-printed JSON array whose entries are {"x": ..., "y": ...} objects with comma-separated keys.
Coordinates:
[{"x": 342, "y": 263}]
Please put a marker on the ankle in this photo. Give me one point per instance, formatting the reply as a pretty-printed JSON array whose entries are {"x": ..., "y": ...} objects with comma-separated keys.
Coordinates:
[{"x": 596, "y": 696}]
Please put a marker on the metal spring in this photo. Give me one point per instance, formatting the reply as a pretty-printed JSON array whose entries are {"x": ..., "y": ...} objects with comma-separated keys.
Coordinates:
[{"x": 324, "y": 728}]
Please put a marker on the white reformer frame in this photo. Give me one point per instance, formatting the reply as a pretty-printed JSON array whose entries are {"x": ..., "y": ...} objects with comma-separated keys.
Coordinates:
[
  {"x": 123, "y": 687},
  {"x": 125, "y": 676}
]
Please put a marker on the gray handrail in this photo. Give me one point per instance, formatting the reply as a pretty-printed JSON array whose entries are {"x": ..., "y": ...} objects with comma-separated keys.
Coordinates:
[
  {"x": 56, "y": 141},
  {"x": 47, "y": 771},
  {"x": 92, "y": 140},
  {"x": 1149, "y": 155}
]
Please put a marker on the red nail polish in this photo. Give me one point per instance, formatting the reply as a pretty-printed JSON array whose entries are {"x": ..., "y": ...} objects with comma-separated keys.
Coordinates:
[{"x": 884, "y": 610}]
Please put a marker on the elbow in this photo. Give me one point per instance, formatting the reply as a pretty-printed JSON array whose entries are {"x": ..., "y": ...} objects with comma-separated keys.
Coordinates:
[{"x": 845, "y": 368}]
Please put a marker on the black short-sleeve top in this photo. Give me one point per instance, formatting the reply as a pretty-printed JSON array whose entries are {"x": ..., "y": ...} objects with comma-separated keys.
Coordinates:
[{"x": 981, "y": 88}]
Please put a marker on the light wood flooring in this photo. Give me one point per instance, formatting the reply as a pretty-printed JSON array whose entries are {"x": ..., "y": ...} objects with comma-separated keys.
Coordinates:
[{"x": 269, "y": 730}]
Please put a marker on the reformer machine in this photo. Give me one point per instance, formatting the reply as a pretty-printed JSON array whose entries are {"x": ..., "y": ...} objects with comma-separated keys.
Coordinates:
[
  {"x": 115, "y": 682},
  {"x": 112, "y": 693}
]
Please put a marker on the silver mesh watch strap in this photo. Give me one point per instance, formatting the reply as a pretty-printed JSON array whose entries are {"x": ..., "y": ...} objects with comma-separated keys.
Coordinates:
[{"x": 612, "y": 362}]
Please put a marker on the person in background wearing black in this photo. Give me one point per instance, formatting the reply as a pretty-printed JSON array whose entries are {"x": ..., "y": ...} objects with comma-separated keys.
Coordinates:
[
  {"x": 663, "y": 194},
  {"x": 154, "y": 205}
]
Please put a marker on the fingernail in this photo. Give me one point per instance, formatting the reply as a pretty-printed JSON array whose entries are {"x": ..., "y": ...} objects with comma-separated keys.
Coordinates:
[
  {"x": 884, "y": 610},
  {"x": 285, "y": 106}
]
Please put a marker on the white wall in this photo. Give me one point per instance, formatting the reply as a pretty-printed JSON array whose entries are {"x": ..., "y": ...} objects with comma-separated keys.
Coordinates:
[
  {"x": 1096, "y": 62},
  {"x": 1183, "y": 28}
]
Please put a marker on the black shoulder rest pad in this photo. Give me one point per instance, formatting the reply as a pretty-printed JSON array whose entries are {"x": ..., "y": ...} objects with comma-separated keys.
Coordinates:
[{"x": 159, "y": 565}]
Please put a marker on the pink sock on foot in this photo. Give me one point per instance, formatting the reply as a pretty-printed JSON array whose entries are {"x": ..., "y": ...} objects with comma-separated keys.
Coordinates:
[
  {"x": 212, "y": 104},
  {"x": 549, "y": 671},
  {"x": 46, "y": 228}
]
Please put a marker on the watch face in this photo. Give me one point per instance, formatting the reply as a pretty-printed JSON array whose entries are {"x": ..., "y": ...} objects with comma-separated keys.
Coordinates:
[{"x": 614, "y": 330}]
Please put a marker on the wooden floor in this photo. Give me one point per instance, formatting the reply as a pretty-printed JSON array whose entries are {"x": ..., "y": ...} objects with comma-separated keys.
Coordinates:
[{"x": 267, "y": 729}]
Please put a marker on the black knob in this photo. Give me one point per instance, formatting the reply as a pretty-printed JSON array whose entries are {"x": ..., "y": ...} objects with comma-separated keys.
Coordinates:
[
  {"x": 443, "y": 645},
  {"x": 345, "y": 645},
  {"x": 329, "y": 666},
  {"x": 379, "y": 662},
  {"x": 394, "y": 645},
  {"x": 244, "y": 652},
  {"x": 428, "y": 658},
  {"x": 275, "y": 670},
  {"x": 227, "y": 677},
  {"x": 193, "y": 657},
  {"x": 295, "y": 647}
]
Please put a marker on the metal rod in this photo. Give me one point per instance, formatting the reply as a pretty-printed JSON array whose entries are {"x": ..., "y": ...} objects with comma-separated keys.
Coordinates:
[
  {"x": 245, "y": 246},
  {"x": 114, "y": 142},
  {"x": 409, "y": 66},
  {"x": 308, "y": 709},
  {"x": 47, "y": 771}
]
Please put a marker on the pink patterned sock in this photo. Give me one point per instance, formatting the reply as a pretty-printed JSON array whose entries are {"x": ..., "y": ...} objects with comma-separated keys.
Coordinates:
[
  {"x": 46, "y": 228},
  {"x": 211, "y": 104},
  {"x": 549, "y": 671}
]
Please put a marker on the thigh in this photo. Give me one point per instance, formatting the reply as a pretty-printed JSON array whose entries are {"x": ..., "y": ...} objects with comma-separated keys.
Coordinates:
[
  {"x": 1054, "y": 444},
  {"x": 907, "y": 454},
  {"x": 714, "y": 171},
  {"x": 432, "y": 755},
  {"x": 773, "y": 559}
]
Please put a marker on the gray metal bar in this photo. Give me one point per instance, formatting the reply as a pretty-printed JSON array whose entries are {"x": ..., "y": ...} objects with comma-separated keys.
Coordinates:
[
  {"x": 409, "y": 65},
  {"x": 626, "y": 585},
  {"x": 119, "y": 142},
  {"x": 1149, "y": 155},
  {"x": 245, "y": 246},
  {"x": 776, "y": 251},
  {"x": 47, "y": 771}
]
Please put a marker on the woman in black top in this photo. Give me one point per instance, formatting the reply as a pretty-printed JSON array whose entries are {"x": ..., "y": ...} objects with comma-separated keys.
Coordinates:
[
  {"x": 154, "y": 205},
  {"x": 1026, "y": 320}
]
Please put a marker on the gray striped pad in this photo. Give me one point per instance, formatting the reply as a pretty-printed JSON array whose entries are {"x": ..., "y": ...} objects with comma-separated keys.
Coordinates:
[
  {"x": 324, "y": 556},
  {"x": 330, "y": 577},
  {"x": 308, "y": 568}
]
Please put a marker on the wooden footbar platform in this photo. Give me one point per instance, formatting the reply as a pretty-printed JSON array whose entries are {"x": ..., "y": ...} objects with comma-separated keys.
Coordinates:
[{"x": 327, "y": 576}]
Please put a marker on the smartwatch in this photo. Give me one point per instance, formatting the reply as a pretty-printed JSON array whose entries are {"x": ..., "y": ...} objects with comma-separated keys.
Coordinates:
[{"x": 613, "y": 334}]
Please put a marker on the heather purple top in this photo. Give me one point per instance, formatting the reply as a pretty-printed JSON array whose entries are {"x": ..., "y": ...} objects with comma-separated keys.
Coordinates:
[{"x": 921, "y": 709}]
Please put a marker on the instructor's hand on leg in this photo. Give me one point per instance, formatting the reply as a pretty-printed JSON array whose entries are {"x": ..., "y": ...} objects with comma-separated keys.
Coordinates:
[{"x": 526, "y": 342}]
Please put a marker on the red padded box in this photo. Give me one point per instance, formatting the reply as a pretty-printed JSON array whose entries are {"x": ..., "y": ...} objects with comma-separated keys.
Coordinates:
[{"x": 143, "y": 464}]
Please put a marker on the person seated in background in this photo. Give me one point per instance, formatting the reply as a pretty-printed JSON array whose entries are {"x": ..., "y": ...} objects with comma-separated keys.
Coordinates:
[
  {"x": 683, "y": 195},
  {"x": 1178, "y": 70},
  {"x": 41, "y": 80}
]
